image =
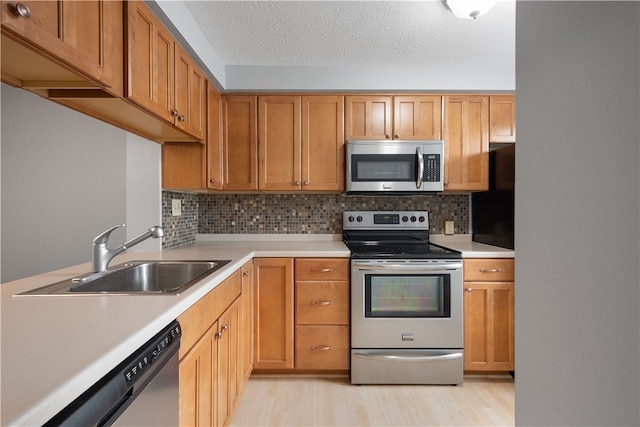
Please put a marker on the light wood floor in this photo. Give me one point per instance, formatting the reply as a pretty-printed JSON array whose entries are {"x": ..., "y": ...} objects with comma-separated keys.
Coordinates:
[{"x": 333, "y": 401}]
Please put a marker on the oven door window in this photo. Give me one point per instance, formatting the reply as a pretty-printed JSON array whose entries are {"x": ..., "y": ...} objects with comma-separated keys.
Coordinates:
[
  {"x": 407, "y": 295},
  {"x": 384, "y": 167}
]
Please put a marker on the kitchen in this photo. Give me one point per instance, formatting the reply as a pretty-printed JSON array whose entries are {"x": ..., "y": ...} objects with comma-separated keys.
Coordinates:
[{"x": 527, "y": 358}]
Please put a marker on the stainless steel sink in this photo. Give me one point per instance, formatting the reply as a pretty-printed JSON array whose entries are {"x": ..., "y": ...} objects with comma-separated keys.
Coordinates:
[{"x": 135, "y": 278}]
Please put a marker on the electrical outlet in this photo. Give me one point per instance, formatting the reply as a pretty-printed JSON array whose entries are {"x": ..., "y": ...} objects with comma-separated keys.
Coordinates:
[
  {"x": 448, "y": 227},
  {"x": 176, "y": 207}
]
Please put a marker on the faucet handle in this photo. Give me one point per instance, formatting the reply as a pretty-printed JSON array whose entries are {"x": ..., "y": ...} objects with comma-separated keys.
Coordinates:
[{"x": 102, "y": 238}]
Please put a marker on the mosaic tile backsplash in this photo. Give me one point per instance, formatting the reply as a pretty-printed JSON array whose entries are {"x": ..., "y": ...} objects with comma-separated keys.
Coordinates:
[{"x": 295, "y": 213}]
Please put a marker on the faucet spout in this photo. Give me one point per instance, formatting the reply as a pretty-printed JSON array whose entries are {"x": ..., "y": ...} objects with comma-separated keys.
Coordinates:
[{"x": 102, "y": 255}]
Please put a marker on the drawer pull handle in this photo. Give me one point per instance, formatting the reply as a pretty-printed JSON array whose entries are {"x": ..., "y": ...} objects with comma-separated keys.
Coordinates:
[
  {"x": 493, "y": 270},
  {"x": 320, "y": 347},
  {"x": 322, "y": 270},
  {"x": 316, "y": 302}
]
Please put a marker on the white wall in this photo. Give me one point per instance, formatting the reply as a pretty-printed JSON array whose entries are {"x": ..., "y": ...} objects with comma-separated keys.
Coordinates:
[
  {"x": 65, "y": 179},
  {"x": 578, "y": 213}
]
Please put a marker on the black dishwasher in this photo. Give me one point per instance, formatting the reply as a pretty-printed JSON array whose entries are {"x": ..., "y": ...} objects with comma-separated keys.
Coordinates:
[{"x": 140, "y": 391}]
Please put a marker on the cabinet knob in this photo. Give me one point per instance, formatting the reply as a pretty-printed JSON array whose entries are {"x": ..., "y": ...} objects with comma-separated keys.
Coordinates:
[
  {"x": 306, "y": 183},
  {"x": 181, "y": 118},
  {"x": 297, "y": 183},
  {"x": 174, "y": 113},
  {"x": 388, "y": 136},
  {"x": 397, "y": 135},
  {"x": 20, "y": 10},
  {"x": 245, "y": 274},
  {"x": 218, "y": 335},
  {"x": 212, "y": 180},
  {"x": 224, "y": 327},
  {"x": 468, "y": 289}
]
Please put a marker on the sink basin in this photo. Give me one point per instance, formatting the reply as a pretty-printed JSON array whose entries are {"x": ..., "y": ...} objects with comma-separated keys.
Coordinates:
[{"x": 137, "y": 278}]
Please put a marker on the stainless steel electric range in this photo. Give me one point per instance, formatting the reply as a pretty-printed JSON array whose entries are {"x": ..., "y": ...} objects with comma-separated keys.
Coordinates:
[{"x": 406, "y": 301}]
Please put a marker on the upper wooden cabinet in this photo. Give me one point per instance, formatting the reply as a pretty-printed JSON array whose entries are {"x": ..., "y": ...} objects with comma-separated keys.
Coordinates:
[
  {"x": 409, "y": 117},
  {"x": 300, "y": 143},
  {"x": 86, "y": 35},
  {"x": 466, "y": 143},
  {"x": 214, "y": 138},
  {"x": 240, "y": 142},
  {"x": 162, "y": 78},
  {"x": 502, "y": 116}
]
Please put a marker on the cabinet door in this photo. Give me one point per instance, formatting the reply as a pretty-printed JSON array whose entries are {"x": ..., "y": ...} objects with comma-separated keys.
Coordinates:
[
  {"x": 322, "y": 347},
  {"x": 228, "y": 356},
  {"x": 489, "y": 326},
  {"x": 274, "y": 305},
  {"x": 190, "y": 95},
  {"x": 240, "y": 143},
  {"x": 196, "y": 379},
  {"x": 150, "y": 61},
  {"x": 183, "y": 165},
  {"x": 214, "y": 138},
  {"x": 84, "y": 34},
  {"x": 466, "y": 143},
  {"x": 502, "y": 113},
  {"x": 367, "y": 117},
  {"x": 279, "y": 143},
  {"x": 417, "y": 117},
  {"x": 323, "y": 143},
  {"x": 246, "y": 334}
]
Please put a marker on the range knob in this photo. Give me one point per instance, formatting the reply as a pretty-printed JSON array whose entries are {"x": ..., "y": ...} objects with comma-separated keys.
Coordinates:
[
  {"x": 405, "y": 218},
  {"x": 421, "y": 218},
  {"x": 413, "y": 219},
  {"x": 351, "y": 218},
  {"x": 359, "y": 218}
]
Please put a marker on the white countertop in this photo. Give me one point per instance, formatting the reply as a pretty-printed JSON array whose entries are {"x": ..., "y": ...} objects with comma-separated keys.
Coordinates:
[
  {"x": 470, "y": 249},
  {"x": 56, "y": 347}
]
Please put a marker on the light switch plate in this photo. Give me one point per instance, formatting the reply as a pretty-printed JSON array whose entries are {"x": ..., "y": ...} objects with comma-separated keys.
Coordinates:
[
  {"x": 176, "y": 207},
  {"x": 448, "y": 227}
]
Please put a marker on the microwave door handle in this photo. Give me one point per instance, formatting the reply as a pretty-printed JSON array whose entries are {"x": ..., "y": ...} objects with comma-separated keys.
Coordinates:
[{"x": 420, "y": 166}]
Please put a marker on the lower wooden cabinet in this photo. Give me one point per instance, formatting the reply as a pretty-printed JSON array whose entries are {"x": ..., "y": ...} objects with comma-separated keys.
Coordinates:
[
  {"x": 246, "y": 339},
  {"x": 322, "y": 347},
  {"x": 274, "y": 327},
  {"x": 227, "y": 380},
  {"x": 489, "y": 315}
]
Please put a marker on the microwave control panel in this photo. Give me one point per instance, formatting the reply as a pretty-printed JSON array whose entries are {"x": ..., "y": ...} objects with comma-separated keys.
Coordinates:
[{"x": 431, "y": 168}]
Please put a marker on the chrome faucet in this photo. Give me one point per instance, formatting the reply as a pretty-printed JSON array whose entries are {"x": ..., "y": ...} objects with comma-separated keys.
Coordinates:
[{"x": 102, "y": 255}]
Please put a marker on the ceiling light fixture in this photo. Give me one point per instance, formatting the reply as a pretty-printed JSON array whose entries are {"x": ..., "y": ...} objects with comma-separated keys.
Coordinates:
[{"x": 469, "y": 9}]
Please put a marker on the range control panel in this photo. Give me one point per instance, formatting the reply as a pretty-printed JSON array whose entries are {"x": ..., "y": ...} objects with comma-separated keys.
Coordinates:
[{"x": 371, "y": 220}]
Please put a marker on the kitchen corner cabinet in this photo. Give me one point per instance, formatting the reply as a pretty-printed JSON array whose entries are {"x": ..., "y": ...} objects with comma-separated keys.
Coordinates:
[
  {"x": 300, "y": 143},
  {"x": 489, "y": 315},
  {"x": 240, "y": 142},
  {"x": 466, "y": 143},
  {"x": 86, "y": 35},
  {"x": 274, "y": 314},
  {"x": 195, "y": 166},
  {"x": 209, "y": 351},
  {"x": 322, "y": 314},
  {"x": 502, "y": 116},
  {"x": 408, "y": 117},
  {"x": 162, "y": 78}
]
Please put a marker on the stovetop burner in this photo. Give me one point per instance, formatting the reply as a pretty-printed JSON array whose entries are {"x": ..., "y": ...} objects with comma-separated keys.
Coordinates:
[{"x": 391, "y": 235}]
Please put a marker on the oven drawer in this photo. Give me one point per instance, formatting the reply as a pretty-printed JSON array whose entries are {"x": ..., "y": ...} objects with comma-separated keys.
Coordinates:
[
  {"x": 322, "y": 347},
  {"x": 390, "y": 366},
  {"x": 322, "y": 268},
  {"x": 489, "y": 270},
  {"x": 322, "y": 303}
]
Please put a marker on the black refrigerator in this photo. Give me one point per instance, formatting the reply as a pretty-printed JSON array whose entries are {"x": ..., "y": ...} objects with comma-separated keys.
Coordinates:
[{"x": 492, "y": 212}]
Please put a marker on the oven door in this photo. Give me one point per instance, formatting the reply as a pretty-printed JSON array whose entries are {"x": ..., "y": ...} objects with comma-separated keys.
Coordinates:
[
  {"x": 406, "y": 304},
  {"x": 399, "y": 166}
]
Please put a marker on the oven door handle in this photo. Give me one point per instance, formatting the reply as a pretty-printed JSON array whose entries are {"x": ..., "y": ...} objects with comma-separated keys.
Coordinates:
[
  {"x": 452, "y": 266},
  {"x": 448, "y": 356},
  {"x": 420, "y": 166}
]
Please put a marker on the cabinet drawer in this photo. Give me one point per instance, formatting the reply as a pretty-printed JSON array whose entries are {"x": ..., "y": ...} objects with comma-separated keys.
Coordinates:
[
  {"x": 322, "y": 302},
  {"x": 489, "y": 270},
  {"x": 322, "y": 347},
  {"x": 322, "y": 269}
]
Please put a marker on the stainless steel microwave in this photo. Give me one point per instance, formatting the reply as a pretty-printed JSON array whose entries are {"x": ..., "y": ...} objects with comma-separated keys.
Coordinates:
[{"x": 394, "y": 166}]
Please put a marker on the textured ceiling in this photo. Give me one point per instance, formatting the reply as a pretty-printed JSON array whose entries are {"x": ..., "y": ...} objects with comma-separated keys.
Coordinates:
[{"x": 315, "y": 33}]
